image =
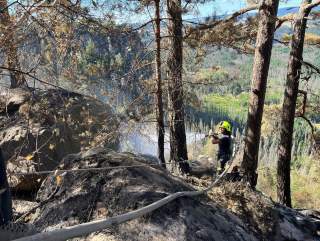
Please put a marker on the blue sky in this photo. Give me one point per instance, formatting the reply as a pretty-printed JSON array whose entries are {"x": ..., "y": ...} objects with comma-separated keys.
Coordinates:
[
  {"x": 228, "y": 6},
  {"x": 209, "y": 9},
  {"x": 212, "y": 8}
]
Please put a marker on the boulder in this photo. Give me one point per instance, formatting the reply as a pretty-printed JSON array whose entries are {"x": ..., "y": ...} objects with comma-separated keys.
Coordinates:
[
  {"x": 12, "y": 99},
  {"x": 39, "y": 128},
  {"x": 80, "y": 196},
  {"x": 83, "y": 196}
]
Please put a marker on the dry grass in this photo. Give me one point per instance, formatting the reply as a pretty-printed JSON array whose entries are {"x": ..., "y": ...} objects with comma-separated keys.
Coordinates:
[
  {"x": 252, "y": 207},
  {"x": 305, "y": 185}
]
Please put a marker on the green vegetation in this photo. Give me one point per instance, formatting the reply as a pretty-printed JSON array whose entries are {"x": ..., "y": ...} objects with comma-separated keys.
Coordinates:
[{"x": 233, "y": 106}]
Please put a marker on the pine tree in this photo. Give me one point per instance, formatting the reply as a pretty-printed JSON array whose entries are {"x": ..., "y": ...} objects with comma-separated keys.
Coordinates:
[
  {"x": 160, "y": 111},
  {"x": 178, "y": 144},
  {"x": 266, "y": 28},
  {"x": 289, "y": 103}
]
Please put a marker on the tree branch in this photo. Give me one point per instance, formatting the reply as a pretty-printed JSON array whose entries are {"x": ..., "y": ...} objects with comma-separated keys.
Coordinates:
[
  {"x": 231, "y": 17},
  {"x": 283, "y": 19},
  {"x": 303, "y": 112},
  {"x": 31, "y": 76},
  {"x": 8, "y": 6},
  {"x": 309, "y": 122},
  {"x": 281, "y": 42},
  {"x": 311, "y": 5},
  {"x": 311, "y": 66}
]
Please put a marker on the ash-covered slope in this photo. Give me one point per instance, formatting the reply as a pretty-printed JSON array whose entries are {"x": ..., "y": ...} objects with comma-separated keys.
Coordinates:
[{"x": 83, "y": 196}]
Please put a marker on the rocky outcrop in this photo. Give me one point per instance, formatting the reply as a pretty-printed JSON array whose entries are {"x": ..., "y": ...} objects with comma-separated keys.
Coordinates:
[
  {"x": 91, "y": 195},
  {"x": 82, "y": 196},
  {"x": 39, "y": 128}
]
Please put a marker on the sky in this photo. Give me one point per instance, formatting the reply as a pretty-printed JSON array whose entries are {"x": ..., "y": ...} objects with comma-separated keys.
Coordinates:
[
  {"x": 228, "y": 6},
  {"x": 212, "y": 8}
]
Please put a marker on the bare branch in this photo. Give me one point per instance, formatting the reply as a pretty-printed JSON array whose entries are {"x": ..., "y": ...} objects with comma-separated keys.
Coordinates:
[
  {"x": 283, "y": 19},
  {"x": 311, "y": 5},
  {"x": 8, "y": 6},
  {"x": 281, "y": 42},
  {"x": 302, "y": 114},
  {"x": 309, "y": 122},
  {"x": 31, "y": 76},
  {"x": 311, "y": 66}
]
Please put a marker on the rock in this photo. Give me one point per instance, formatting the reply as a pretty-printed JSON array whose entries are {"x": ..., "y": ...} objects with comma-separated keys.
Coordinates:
[
  {"x": 200, "y": 168},
  {"x": 86, "y": 196},
  {"x": 235, "y": 212},
  {"x": 45, "y": 126},
  {"x": 13, "y": 231},
  {"x": 12, "y": 99}
]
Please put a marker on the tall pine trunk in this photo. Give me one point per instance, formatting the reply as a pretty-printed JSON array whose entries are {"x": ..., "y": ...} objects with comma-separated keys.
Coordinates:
[
  {"x": 267, "y": 20},
  {"x": 178, "y": 145},
  {"x": 289, "y": 105},
  {"x": 16, "y": 78},
  {"x": 5, "y": 196},
  {"x": 160, "y": 116}
]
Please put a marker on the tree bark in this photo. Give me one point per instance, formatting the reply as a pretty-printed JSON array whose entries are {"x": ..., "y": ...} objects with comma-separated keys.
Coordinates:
[
  {"x": 267, "y": 20},
  {"x": 16, "y": 78},
  {"x": 289, "y": 105},
  {"x": 160, "y": 116},
  {"x": 5, "y": 196},
  {"x": 178, "y": 144}
]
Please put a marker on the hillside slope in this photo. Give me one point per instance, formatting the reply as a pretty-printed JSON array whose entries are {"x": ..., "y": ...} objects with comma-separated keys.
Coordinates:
[{"x": 86, "y": 196}]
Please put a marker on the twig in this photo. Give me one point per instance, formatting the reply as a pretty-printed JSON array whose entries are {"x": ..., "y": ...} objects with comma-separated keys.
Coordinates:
[
  {"x": 31, "y": 76},
  {"x": 39, "y": 205},
  {"x": 8, "y": 6},
  {"x": 303, "y": 112},
  {"x": 311, "y": 66},
  {"x": 309, "y": 122}
]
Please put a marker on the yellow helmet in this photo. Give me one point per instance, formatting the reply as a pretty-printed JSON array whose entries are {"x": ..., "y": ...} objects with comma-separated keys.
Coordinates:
[{"x": 226, "y": 125}]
